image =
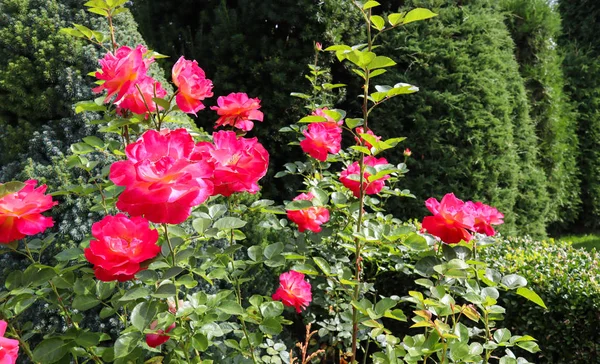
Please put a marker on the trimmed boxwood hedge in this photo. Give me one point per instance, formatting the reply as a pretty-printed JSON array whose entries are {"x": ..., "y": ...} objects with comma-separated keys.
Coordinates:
[{"x": 568, "y": 280}]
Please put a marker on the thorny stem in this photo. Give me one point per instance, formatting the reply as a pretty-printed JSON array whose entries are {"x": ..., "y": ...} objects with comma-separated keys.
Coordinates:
[
  {"x": 62, "y": 306},
  {"x": 148, "y": 108},
  {"x": 22, "y": 343},
  {"x": 174, "y": 257},
  {"x": 112, "y": 31}
]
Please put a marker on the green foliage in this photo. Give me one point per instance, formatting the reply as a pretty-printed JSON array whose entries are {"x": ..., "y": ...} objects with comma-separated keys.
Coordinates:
[
  {"x": 535, "y": 27},
  {"x": 581, "y": 47},
  {"x": 469, "y": 128},
  {"x": 567, "y": 280}
]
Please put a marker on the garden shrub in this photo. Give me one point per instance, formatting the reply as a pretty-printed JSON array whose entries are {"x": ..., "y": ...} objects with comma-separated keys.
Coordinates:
[
  {"x": 567, "y": 279},
  {"x": 535, "y": 27}
]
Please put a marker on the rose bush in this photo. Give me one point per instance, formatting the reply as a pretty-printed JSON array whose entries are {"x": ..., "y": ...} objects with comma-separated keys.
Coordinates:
[{"x": 170, "y": 261}]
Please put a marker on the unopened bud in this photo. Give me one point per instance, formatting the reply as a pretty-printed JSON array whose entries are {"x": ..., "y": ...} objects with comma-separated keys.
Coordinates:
[{"x": 407, "y": 152}]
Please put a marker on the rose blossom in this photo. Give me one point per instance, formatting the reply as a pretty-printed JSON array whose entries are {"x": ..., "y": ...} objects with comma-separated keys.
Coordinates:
[
  {"x": 238, "y": 162},
  {"x": 353, "y": 183},
  {"x": 162, "y": 182},
  {"x": 322, "y": 138},
  {"x": 159, "y": 338},
  {"x": 193, "y": 86},
  {"x": 133, "y": 100},
  {"x": 120, "y": 245},
  {"x": 310, "y": 218},
  {"x": 361, "y": 141},
  {"x": 293, "y": 290},
  {"x": 237, "y": 110},
  {"x": 485, "y": 216},
  {"x": 121, "y": 71},
  {"x": 9, "y": 348},
  {"x": 450, "y": 219},
  {"x": 21, "y": 212}
]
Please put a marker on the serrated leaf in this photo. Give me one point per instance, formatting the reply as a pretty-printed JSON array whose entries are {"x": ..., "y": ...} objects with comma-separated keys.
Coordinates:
[
  {"x": 126, "y": 343},
  {"x": 83, "y": 303},
  {"x": 395, "y": 18},
  {"x": 381, "y": 62},
  {"x": 134, "y": 294},
  {"x": 322, "y": 263},
  {"x": 229, "y": 223},
  {"x": 231, "y": 308},
  {"x": 50, "y": 350},
  {"x": 273, "y": 250},
  {"x": 143, "y": 314}
]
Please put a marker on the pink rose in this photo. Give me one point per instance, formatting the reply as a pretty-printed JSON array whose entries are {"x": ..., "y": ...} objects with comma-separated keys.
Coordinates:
[
  {"x": 322, "y": 138},
  {"x": 238, "y": 110},
  {"x": 485, "y": 216},
  {"x": 162, "y": 181},
  {"x": 450, "y": 220},
  {"x": 21, "y": 212},
  {"x": 293, "y": 291},
  {"x": 9, "y": 348},
  {"x": 120, "y": 245},
  {"x": 133, "y": 100},
  {"x": 238, "y": 162},
  {"x": 353, "y": 183},
  {"x": 121, "y": 71},
  {"x": 193, "y": 86},
  {"x": 310, "y": 218}
]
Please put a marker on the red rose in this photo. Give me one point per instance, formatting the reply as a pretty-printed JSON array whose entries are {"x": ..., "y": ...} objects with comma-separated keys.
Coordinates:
[
  {"x": 310, "y": 218},
  {"x": 193, "y": 86},
  {"x": 120, "y": 245},
  {"x": 238, "y": 162},
  {"x": 293, "y": 290},
  {"x": 450, "y": 219},
  {"x": 159, "y": 338},
  {"x": 21, "y": 212},
  {"x": 9, "y": 348},
  {"x": 121, "y": 71},
  {"x": 485, "y": 216},
  {"x": 162, "y": 181},
  {"x": 350, "y": 177},
  {"x": 237, "y": 110}
]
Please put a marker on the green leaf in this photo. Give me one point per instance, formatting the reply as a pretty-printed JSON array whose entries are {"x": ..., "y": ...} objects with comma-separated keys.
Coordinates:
[
  {"x": 50, "y": 350},
  {"x": 416, "y": 242},
  {"x": 530, "y": 346},
  {"x": 370, "y": 4},
  {"x": 395, "y": 18},
  {"x": 231, "y": 308},
  {"x": 81, "y": 148},
  {"x": 513, "y": 281},
  {"x": 377, "y": 22},
  {"x": 305, "y": 269},
  {"x": 255, "y": 253},
  {"x": 270, "y": 326},
  {"x": 201, "y": 224},
  {"x": 143, "y": 314},
  {"x": 298, "y": 205},
  {"x": 273, "y": 250},
  {"x": 229, "y": 222},
  {"x": 502, "y": 335},
  {"x": 352, "y": 123},
  {"x": 271, "y": 309},
  {"x": 418, "y": 14},
  {"x": 322, "y": 263},
  {"x": 83, "y": 303},
  {"x": 200, "y": 342},
  {"x": 532, "y": 296},
  {"x": 313, "y": 119},
  {"x": 94, "y": 141},
  {"x": 88, "y": 106},
  {"x": 384, "y": 305},
  {"x": 69, "y": 254},
  {"x": 134, "y": 294},
  {"x": 165, "y": 291},
  {"x": 381, "y": 62},
  {"x": 10, "y": 187},
  {"x": 87, "y": 339},
  {"x": 126, "y": 343}
]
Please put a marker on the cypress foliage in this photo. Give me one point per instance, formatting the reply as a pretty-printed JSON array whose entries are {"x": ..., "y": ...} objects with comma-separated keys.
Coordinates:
[
  {"x": 581, "y": 47},
  {"x": 535, "y": 27},
  {"x": 468, "y": 127}
]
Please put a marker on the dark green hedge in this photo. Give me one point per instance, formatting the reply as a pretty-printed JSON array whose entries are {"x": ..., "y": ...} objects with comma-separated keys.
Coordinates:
[
  {"x": 535, "y": 27},
  {"x": 567, "y": 279}
]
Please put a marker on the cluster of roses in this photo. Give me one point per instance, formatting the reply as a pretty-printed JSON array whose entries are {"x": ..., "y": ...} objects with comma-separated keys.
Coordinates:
[
  {"x": 454, "y": 221},
  {"x": 320, "y": 140}
]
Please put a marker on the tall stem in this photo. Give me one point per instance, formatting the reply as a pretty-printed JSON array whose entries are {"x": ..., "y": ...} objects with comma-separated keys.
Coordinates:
[
  {"x": 361, "y": 203},
  {"x": 112, "y": 31}
]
